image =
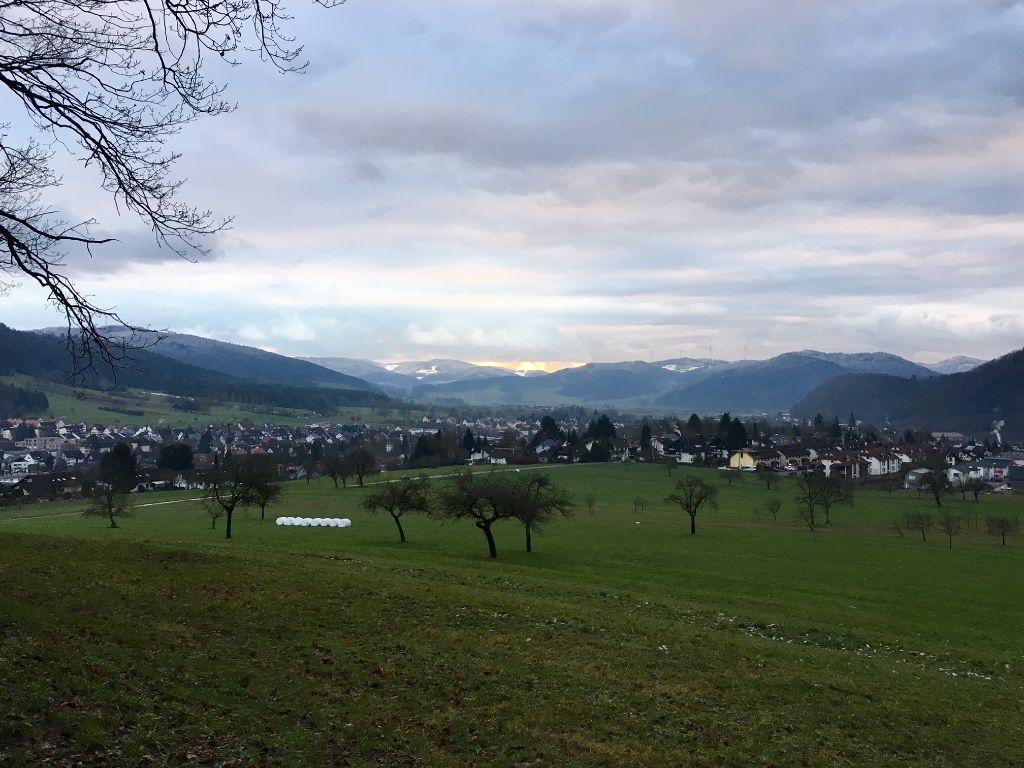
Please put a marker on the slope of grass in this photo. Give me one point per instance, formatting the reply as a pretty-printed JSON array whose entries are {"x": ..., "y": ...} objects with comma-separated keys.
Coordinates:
[
  {"x": 620, "y": 641},
  {"x": 131, "y": 406}
]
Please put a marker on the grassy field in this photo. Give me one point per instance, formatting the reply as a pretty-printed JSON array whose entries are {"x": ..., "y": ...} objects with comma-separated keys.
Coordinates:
[
  {"x": 620, "y": 640},
  {"x": 132, "y": 406}
]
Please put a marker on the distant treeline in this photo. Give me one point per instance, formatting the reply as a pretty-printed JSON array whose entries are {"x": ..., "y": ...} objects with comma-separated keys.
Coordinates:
[
  {"x": 47, "y": 358},
  {"x": 15, "y": 401},
  {"x": 122, "y": 411}
]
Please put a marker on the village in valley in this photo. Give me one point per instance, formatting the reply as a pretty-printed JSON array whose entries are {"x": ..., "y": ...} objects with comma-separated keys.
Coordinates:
[
  {"x": 50, "y": 459},
  {"x": 550, "y": 384}
]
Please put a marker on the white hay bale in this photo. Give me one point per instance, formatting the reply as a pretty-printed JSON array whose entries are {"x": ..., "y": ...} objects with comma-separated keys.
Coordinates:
[
  {"x": 306, "y": 522},
  {"x": 345, "y": 523}
]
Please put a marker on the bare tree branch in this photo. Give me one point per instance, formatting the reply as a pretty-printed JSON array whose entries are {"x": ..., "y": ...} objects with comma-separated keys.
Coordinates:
[{"x": 112, "y": 81}]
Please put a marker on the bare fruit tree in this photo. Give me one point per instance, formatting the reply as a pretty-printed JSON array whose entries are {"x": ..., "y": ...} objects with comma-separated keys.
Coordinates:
[
  {"x": 335, "y": 466},
  {"x": 360, "y": 462},
  {"x": 108, "y": 502},
  {"x": 936, "y": 481},
  {"x": 975, "y": 486},
  {"x": 484, "y": 500},
  {"x": 229, "y": 486},
  {"x": 950, "y": 525},
  {"x": 919, "y": 521},
  {"x": 399, "y": 499},
  {"x": 808, "y": 499},
  {"x": 1000, "y": 525},
  {"x": 537, "y": 501},
  {"x": 834, "y": 491},
  {"x": 690, "y": 495},
  {"x": 112, "y": 81}
]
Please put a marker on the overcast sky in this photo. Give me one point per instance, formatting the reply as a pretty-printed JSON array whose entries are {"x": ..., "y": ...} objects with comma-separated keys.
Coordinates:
[{"x": 563, "y": 180}]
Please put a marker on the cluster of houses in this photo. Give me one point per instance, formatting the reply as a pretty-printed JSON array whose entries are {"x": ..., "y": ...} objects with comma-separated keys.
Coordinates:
[
  {"x": 50, "y": 458},
  {"x": 855, "y": 463},
  {"x": 965, "y": 461},
  {"x": 783, "y": 454}
]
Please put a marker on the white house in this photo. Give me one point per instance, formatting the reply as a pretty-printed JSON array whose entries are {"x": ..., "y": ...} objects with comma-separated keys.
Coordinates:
[{"x": 24, "y": 465}]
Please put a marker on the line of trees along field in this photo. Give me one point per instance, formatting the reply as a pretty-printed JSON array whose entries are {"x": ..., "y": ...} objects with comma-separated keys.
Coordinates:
[{"x": 532, "y": 499}]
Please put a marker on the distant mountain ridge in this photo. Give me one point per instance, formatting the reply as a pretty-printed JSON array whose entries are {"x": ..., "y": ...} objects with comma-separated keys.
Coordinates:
[
  {"x": 683, "y": 384},
  {"x": 958, "y": 364},
  {"x": 185, "y": 364},
  {"x": 406, "y": 376},
  {"x": 872, "y": 362},
  {"x": 236, "y": 360},
  {"x": 368, "y": 370},
  {"x": 968, "y": 402},
  {"x": 769, "y": 385},
  {"x": 442, "y": 371}
]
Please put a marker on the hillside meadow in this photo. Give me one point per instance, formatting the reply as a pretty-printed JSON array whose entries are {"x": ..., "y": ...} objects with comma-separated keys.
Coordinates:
[
  {"x": 136, "y": 406},
  {"x": 621, "y": 640}
]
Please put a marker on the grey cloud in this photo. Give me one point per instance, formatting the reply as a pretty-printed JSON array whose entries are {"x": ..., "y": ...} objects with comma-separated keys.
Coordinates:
[
  {"x": 367, "y": 170},
  {"x": 129, "y": 247},
  {"x": 807, "y": 107},
  {"x": 562, "y": 24}
]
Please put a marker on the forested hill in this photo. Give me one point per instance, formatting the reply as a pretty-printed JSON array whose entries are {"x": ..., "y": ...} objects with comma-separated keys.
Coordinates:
[
  {"x": 248, "y": 363},
  {"x": 965, "y": 402},
  {"x": 15, "y": 400},
  {"x": 44, "y": 356}
]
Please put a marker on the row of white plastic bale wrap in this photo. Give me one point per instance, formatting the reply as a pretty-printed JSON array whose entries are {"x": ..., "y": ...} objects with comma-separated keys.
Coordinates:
[{"x": 316, "y": 522}]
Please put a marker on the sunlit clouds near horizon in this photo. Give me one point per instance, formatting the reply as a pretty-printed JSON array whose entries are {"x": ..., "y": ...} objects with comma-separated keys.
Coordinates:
[{"x": 575, "y": 181}]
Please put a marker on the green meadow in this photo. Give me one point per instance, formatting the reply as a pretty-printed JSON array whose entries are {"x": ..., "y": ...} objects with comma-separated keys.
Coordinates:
[
  {"x": 133, "y": 406},
  {"x": 621, "y": 640}
]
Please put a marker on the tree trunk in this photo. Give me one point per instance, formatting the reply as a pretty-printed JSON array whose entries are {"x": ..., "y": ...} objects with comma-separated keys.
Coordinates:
[
  {"x": 113, "y": 522},
  {"x": 529, "y": 541},
  {"x": 1004, "y": 538},
  {"x": 492, "y": 550},
  {"x": 213, "y": 523},
  {"x": 693, "y": 525},
  {"x": 922, "y": 535},
  {"x": 227, "y": 531},
  {"x": 951, "y": 541},
  {"x": 335, "y": 479},
  {"x": 401, "y": 531},
  {"x": 263, "y": 511}
]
